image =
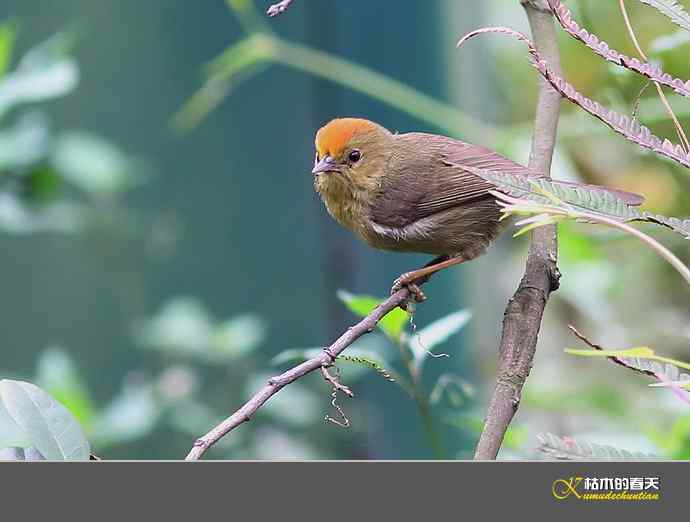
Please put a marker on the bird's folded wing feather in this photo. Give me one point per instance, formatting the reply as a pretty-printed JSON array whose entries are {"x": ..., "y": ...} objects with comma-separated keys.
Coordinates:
[
  {"x": 432, "y": 179},
  {"x": 424, "y": 178}
]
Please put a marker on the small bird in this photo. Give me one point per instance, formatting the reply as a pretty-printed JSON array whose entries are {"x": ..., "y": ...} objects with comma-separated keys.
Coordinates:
[{"x": 410, "y": 192}]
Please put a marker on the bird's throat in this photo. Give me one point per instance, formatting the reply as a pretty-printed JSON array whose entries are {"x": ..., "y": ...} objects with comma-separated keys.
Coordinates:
[{"x": 345, "y": 202}]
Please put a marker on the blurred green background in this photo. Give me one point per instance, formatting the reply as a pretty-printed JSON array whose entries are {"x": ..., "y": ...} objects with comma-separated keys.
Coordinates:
[{"x": 163, "y": 244}]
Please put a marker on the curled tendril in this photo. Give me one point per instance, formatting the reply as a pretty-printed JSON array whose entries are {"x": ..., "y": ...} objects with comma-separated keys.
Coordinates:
[
  {"x": 335, "y": 382},
  {"x": 416, "y": 335}
]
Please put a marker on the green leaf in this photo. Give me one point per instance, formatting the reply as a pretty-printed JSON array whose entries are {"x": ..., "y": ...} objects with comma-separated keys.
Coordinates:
[
  {"x": 192, "y": 417},
  {"x": 8, "y": 35},
  {"x": 24, "y": 143},
  {"x": 237, "y": 337},
  {"x": 131, "y": 415},
  {"x": 238, "y": 63},
  {"x": 49, "y": 426},
  {"x": 94, "y": 165},
  {"x": 183, "y": 325},
  {"x": 18, "y": 218},
  {"x": 45, "y": 72},
  {"x": 392, "y": 324},
  {"x": 58, "y": 375},
  {"x": 41, "y": 184},
  {"x": 641, "y": 351},
  {"x": 673, "y": 10}
]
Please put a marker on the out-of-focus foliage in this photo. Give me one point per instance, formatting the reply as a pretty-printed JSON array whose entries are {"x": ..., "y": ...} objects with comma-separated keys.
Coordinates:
[
  {"x": 30, "y": 418},
  {"x": 50, "y": 180},
  {"x": 673, "y": 9}
]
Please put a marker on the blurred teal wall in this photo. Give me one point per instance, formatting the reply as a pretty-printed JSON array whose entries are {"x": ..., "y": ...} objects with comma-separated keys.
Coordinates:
[{"x": 252, "y": 234}]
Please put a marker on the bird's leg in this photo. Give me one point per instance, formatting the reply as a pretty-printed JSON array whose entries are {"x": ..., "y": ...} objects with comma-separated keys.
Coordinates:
[{"x": 413, "y": 279}]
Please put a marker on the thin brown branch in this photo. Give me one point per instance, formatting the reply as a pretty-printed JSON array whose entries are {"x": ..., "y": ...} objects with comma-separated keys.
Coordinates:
[
  {"x": 275, "y": 384},
  {"x": 278, "y": 8},
  {"x": 523, "y": 314}
]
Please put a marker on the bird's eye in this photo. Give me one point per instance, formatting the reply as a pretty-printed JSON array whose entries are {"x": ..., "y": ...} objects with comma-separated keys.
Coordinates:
[{"x": 355, "y": 156}]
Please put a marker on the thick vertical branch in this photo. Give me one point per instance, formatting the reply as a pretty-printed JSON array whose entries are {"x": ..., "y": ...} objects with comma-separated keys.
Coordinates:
[{"x": 523, "y": 314}]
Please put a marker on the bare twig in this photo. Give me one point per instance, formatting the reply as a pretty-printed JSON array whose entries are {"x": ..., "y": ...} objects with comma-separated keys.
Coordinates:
[
  {"x": 275, "y": 384},
  {"x": 522, "y": 318},
  {"x": 278, "y": 8}
]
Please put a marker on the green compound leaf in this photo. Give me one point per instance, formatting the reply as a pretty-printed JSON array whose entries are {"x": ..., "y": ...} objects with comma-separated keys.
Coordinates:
[{"x": 392, "y": 323}]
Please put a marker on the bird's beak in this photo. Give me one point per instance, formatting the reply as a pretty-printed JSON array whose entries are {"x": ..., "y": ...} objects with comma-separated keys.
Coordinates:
[{"x": 327, "y": 164}]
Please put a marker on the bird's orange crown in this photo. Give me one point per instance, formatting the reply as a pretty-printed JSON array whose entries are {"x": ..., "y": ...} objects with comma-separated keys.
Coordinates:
[{"x": 332, "y": 138}]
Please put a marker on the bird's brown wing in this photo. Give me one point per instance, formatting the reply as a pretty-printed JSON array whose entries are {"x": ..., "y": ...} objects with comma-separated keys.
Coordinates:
[{"x": 425, "y": 176}]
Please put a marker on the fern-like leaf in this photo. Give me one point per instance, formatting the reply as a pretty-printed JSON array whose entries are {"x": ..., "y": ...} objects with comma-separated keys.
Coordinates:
[
  {"x": 588, "y": 198},
  {"x": 665, "y": 372},
  {"x": 682, "y": 226},
  {"x": 620, "y": 123},
  {"x": 582, "y": 197},
  {"x": 651, "y": 71},
  {"x": 671, "y": 9},
  {"x": 567, "y": 448}
]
